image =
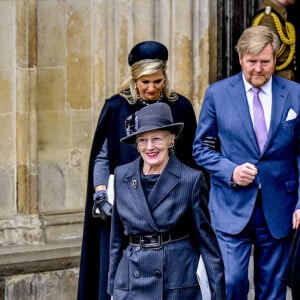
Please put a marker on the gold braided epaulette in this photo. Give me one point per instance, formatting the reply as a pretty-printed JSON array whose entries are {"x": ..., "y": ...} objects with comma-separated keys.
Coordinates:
[{"x": 290, "y": 39}]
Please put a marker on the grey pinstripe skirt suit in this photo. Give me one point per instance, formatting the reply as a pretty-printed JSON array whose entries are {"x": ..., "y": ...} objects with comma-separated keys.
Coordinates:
[{"x": 180, "y": 205}]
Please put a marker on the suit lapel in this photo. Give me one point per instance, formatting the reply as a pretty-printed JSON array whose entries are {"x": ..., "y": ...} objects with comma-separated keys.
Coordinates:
[
  {"x": 279, "y": 98},
  {"x": 134, "y": 183},
  {"x": 239, "y": 101},
  {"x": 166, "y": 182}
]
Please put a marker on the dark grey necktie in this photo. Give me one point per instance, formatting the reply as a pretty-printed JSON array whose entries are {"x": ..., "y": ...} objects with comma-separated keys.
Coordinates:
[{"x": 259, "y": 121}]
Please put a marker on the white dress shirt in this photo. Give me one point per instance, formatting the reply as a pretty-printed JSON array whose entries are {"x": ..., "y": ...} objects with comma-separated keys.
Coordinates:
[{"x": 265, "y": 96}]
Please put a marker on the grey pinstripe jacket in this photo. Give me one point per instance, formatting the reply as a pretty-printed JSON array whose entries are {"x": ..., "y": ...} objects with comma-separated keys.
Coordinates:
[{"x": 180, "y": 204}]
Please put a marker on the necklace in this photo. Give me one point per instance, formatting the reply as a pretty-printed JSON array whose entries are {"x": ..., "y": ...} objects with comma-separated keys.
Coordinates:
[{"x": 146, "y": 103}]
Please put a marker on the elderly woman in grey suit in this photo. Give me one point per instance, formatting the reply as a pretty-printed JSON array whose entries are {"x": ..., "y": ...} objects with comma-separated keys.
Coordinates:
[{"x": 160, "y": 222}]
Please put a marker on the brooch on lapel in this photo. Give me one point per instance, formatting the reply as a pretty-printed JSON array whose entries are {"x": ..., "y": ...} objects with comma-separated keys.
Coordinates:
[{"x": 131, "y": 124}]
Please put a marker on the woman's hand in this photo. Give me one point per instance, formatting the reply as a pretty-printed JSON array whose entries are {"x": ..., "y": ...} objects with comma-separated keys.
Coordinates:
[{"x": 296, "y": 218}]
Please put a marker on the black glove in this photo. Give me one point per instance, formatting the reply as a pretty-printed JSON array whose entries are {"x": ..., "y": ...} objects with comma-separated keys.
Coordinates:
[
  {"x": 212, "y": 143},
  {"x": 102, "y": 208}
]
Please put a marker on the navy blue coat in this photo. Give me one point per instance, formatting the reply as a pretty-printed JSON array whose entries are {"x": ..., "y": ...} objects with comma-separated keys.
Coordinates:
[
  {"x": 95, "y": 244},
  {"x": 179, "y": 204}
]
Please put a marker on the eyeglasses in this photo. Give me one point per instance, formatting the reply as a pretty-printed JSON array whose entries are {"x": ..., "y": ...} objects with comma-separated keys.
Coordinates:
[{"x": 156, "y": 141}]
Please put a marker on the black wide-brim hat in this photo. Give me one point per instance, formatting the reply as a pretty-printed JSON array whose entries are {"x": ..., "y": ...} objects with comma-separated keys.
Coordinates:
[
  {"x": 157, "y": 116},
  {"x": 147, "y": 50}
]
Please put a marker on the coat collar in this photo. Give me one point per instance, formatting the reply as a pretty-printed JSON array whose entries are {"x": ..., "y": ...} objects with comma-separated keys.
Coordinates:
[
  {"x": 237, "y": 96},
  {"x": 167, "y": 181},
  {"x": 280, "y": 96}
]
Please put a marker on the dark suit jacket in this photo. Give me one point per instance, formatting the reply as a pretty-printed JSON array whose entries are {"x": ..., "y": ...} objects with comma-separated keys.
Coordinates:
[
  {"x": 95, "y": 244},
  {"x": 180, "y": 197},
  {"x": 225, "y": 114}
]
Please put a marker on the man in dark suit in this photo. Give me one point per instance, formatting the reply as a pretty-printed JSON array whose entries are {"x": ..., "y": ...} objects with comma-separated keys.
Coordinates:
[{"x": 254, "y": 196}]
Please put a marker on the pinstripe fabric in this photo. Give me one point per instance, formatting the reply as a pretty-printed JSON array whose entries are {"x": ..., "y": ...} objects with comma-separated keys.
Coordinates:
[{"x": 181, "y": 205}]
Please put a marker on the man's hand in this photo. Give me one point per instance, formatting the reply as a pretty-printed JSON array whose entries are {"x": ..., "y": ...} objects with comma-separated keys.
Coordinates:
[
  {"x": 244, "y": 174},
  {"x": 296, "y": 218},
  {"x": 102, "y": 208}
]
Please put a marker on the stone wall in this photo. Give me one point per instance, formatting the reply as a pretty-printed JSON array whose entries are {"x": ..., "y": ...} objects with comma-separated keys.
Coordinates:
[
  {"x": 59, "y": 60},
  {"x": 52, "y": 285}
]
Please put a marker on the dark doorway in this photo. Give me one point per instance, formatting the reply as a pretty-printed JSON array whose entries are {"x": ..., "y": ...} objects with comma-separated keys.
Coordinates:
[
  {"x": 293, "y": 16},
  {"x": 233, "y": 17}
]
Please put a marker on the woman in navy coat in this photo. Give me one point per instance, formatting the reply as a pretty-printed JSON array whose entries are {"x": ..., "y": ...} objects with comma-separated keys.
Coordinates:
[
  {"x": 148, "y": 84},
  {"x": 160, "y": 222}
]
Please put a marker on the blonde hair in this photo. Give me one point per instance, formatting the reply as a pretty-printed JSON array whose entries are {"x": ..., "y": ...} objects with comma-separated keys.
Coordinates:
[
  {"x": 141, "y": 68},
  {"x": 255, "y": 38}
]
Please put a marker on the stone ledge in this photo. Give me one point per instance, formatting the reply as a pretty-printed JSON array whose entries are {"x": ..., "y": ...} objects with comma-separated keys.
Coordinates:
[
  {"x": 63, "y": 225},
  {"x": 23, "y": 259}
]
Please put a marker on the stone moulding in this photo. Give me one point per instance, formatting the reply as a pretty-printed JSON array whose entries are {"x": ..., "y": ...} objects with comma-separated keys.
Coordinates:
[
  {"x": 41, "y": 243},
  {"x": 39, "y": 258},
  {"x": 21, "y": 230}
]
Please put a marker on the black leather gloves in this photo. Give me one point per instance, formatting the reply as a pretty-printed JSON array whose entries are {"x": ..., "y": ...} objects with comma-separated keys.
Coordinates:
[{"x": 102, "y": 208}]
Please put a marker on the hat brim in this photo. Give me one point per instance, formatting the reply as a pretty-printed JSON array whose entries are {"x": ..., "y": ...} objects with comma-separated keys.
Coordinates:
[{"x": 175, "y": 128}]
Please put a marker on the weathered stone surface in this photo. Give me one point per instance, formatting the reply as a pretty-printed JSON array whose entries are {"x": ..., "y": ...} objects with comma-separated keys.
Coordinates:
[
  {"x": 52, "y": 33},
  {"x": 54, "y": 135},
  {"x": 56, "y": 285},
  {"x": 62, "y": 226},
  {"x": 81, "y": 130},
  {"x": 6, "y": 33},
  {"x": 43, "y": 271},
  {"x": 7, "y": 140},
  {"x": 52, "y": 187},
  {"x": 7, "y": 195},
  {"x": 78, "y": 50},
  {"x": 6, "y": 90},
  {"x": 51, "y": 89},
  {"x": 21, "y": 230},
  {"x": 40, "y": 257}
]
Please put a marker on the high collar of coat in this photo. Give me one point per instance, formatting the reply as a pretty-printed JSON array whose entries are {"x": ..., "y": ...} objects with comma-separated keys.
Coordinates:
[{"x": 173, "y": 167}]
